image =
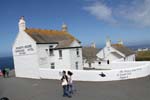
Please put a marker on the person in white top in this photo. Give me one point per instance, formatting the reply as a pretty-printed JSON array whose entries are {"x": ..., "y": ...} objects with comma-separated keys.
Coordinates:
[
  {"x": 64, "y": 83},
  {"x": 70, "y": 82}
]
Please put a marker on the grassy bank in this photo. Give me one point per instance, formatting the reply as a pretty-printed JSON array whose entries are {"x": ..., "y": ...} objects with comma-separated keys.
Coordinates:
[{"x": 143, "y": 56}]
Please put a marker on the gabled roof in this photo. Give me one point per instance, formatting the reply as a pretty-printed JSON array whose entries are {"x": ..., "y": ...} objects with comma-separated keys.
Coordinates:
[
  {"x": 62, "y": 38},
  {"x": 121, "y": 48},
  {"x": 116, "y": 54},
  {"x": 89, "y": 53}
]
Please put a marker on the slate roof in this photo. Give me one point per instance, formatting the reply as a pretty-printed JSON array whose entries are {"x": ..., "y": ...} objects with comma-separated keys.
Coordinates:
[
  {"x": 121, "y": 48},
  {"x": 116, "y": 54},
  {"x": 89, "y": 53},
  {"x": 62, "y": 38}
]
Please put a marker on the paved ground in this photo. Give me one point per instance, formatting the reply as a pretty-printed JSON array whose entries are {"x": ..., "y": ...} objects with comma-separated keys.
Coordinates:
[{"x": 31, "y": 89}]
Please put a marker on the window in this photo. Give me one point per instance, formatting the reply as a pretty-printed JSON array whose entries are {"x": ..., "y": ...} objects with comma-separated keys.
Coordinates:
[
  {"x": 46, "y": 51},
  {"x": 77, "y": 51},
  {"x": 77, "y": 67},
  {"x": 107, "y": 61},
  {"x": 52, "y": 65},
  {"x": 90, "y": 65},
  {"x": 60, "y": 53},
  {"x": 51, "y": 51}
]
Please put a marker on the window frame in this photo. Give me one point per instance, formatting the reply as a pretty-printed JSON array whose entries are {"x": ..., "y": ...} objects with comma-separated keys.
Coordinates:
[
  {"x": 51, "y": 51},
  {"x": 77, "y": 65},
  {"x": 77, "y": 52},
  {"x": 60, "y": 54},
  {"x": 53, "y": 65}
]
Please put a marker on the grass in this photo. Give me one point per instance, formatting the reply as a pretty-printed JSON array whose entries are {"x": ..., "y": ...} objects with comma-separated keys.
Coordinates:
[{"x": 143, "y": 56}]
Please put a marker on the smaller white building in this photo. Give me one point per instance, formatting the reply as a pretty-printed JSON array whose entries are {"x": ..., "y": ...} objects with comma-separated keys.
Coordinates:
[
  {"x": 115, "y": 52},
  {"x": 143, "y": 49},
  {"x": 90, "y": 60},
  {"x": 50, "y": 49}
]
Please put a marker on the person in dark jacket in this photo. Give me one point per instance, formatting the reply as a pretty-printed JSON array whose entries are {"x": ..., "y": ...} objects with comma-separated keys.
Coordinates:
[
  {"x": 4, "y": 72},
  {"x": 64, "y": 83},
  {"x": 7, "y": 71}
]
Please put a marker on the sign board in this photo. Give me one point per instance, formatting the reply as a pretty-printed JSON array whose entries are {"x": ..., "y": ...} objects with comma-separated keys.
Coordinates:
[
  {"x": 24, "y": 50},
  {"x": 127, "y": 73}
]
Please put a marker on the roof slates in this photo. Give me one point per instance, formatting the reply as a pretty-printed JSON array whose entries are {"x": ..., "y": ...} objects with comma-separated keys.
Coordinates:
[{"x": 63, "y": 39}]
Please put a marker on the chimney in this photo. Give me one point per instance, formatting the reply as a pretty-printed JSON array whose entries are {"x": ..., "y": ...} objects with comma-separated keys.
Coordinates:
[
  {"x": 93, "y": 45},
  {"x": 64, "y": 27},
  {"x": 22, "y": 24},
  {"x": 120, "y": 42},
  {"x": 108, "y": 42}
]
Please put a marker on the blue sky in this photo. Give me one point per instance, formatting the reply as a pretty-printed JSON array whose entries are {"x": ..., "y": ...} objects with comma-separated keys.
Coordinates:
[{"x": 88, "y": 20}]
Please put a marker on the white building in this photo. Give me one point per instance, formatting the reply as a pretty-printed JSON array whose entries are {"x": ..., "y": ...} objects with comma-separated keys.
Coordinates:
[
  {"x": 36, "y": 48},
  {"x": 116, "y": 52},
  {"x": 90, "y": 60},
  {"x": 143, "y": 49}
]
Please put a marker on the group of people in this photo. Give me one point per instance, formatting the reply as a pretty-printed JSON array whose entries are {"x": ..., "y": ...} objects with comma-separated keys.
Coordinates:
[
  {"x": 67, "y": 84},
  {"x": 4, "y": 72}
]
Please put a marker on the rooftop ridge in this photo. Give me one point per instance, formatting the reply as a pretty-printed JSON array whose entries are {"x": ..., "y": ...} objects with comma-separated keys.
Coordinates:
[{"x": 38, "y": 29}]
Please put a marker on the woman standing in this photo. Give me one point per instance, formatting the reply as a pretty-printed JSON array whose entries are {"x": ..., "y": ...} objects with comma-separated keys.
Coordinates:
[
  {"x": 70, "y": 82},
  {"x": 64, "y": 83}
]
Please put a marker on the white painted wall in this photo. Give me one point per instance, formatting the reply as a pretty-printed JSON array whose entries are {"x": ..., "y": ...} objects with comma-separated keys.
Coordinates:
[
  {"x": 105, "y": 54},
  {"x": 26, "y": 66},
  {"x": 111, "y": 57},
  {"x": 93, "y": 75},
  {"x": 67, "y": 61},
  {"x": 95, "y": 64},
  {"x": 44, "y": 58},
  {"x": 75, "y": 58},
  {"x": 130, "y": 58},
  {"x": 75, "y": 44},
  {"x": 25, "y": 56},
  {"x": 122, "y": 65}
]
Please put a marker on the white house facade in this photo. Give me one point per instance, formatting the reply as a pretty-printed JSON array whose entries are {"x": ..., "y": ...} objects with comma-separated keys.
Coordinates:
[
  {"x": 52, "y": 49},
  {"x": 116, "y": 52}
]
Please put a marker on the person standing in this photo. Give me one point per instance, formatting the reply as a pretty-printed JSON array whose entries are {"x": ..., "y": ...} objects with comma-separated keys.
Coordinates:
[
  {"x": 7, "y": 71},
  {"x": 64, "y": 83},
  {"x": 70, "y": 82},
  {"x": 4, "y": 72},
  {"x": 1, "y": 73}
]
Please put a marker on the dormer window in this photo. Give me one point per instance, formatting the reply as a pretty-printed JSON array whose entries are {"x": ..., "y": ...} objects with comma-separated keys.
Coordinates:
[{"x": 51, "y": 51}]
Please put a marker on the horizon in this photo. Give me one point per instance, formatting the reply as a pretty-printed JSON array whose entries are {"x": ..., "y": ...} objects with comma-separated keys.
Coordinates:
[{"x": 87, "y": 20}]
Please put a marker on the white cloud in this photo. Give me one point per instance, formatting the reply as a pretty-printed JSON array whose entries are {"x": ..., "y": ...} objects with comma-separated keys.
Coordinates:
[
  {"x": 136, "y": 12},
  {"x": 101, "y": 11}
]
